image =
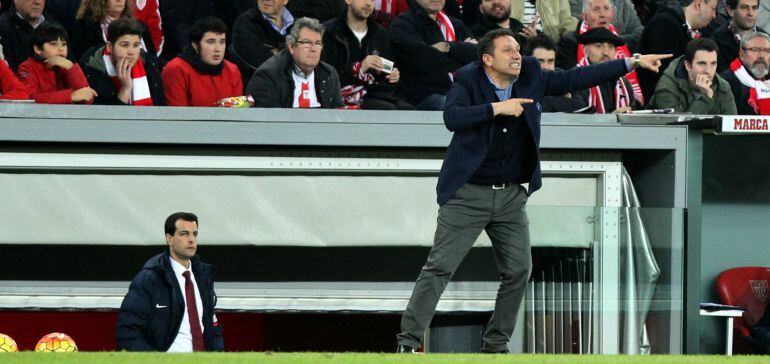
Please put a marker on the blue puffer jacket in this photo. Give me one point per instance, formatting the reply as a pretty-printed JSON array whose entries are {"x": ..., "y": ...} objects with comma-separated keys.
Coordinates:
[{"x": 152, "y": 310}]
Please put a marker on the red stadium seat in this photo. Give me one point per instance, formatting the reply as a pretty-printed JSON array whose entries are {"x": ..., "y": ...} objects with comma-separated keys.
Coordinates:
[{"x": 746, "y": 287}]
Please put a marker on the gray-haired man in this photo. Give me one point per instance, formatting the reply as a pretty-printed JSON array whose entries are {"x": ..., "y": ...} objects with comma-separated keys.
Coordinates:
[{"x": 296, "y": 77}]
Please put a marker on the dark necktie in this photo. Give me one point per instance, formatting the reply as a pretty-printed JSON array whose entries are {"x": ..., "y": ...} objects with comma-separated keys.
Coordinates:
[{"x": 192, "y": 313}]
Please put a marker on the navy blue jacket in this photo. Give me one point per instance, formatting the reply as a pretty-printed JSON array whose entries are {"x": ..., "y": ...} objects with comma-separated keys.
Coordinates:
[
  {"x": 468, "y": 113},
  {"x": 152, "y": 310}
]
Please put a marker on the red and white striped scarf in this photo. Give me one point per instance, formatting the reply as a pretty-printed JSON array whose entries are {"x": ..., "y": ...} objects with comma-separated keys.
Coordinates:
[
  {"x": 445, "y": 24},
  {"x": 140, "y": 90},
  {"x": 622, "y": 52},
  {"x": 385, "y": 6},
  {"x": 759, "y": 90},
  {"x": 353, "y": 95},
  {"x": 622, "y": 96},
  {"x": 448, "y": 30}
]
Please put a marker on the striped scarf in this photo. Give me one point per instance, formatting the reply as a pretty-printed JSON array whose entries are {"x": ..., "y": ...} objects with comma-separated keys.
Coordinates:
[
  {"x": 140, "y": 90},
  {"x": 622, "y": 96},
  {"x": 448, "y": 30},
  {"x": 759, "y": 90},
  {"x": 622, "y": 52},
  {"x": 445, "y": 24}
]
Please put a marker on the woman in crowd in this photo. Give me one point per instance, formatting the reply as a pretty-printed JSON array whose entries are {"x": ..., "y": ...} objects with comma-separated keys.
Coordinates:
[
  {"x": 92, "y": 20},
  {"x": 200, "y": 75}
]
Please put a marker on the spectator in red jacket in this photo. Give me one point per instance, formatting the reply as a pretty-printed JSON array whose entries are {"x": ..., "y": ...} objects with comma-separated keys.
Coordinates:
[
  {"x": 49, "y": 76},
  {"x": 200, "y": 75},
  {"x": 10, "y": 86},
  {"x": 148, "y": 12}
]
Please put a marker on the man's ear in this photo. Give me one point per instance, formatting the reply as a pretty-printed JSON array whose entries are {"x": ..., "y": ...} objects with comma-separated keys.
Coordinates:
[
  {"x": 487, "y": 60},
  {"x": 38, "y": 50}
]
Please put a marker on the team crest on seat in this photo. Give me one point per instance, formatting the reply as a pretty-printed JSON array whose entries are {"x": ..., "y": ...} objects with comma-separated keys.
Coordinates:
[{"x": 760, "y": 289}]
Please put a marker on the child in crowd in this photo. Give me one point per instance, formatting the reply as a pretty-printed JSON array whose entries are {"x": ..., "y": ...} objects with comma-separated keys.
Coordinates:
[{"x": 49, "y": 76}]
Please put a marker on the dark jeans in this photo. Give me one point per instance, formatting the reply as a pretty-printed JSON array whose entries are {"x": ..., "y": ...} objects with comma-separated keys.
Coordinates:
[{"x": 471, "y": 209}]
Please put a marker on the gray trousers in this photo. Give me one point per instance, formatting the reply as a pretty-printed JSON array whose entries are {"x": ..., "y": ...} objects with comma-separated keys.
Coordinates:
[{"x": 471, "y": 209}]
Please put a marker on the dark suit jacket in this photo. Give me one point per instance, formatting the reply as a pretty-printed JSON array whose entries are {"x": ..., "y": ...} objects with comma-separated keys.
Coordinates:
[{"x": 468, "y": 113}]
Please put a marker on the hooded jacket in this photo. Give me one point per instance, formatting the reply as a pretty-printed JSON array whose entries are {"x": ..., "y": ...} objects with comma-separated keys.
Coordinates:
[
  {"x": 152, "y": 311},
  {"x": 675, "y": 91}
]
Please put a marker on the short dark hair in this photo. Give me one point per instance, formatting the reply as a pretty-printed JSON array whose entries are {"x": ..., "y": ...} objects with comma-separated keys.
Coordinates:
[
  {"x": 48, "y": 32},
  {"x": 539, "y": 41},
  {"x": 733, "y": 4},
  {"x": 207, "y": 24},
  {"x": 171, "y": 220},
  {"x": 123, "y": 26},
  {"x": 700, "y": 44},
  {"x": 487, "y": 42}
]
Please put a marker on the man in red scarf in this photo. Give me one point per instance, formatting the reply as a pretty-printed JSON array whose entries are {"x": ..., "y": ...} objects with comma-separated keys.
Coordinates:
[
  {"x": 614, "y": 96},
  {"x": 120, "y": 72},
  {"x": 748, "y": 75},
  {"x": 596, "y": 14}
]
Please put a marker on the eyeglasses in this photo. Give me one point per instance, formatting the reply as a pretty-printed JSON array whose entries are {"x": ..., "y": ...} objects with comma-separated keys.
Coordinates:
[
  {"x": 758, "y": 50},
  {"x": 307, "y": 44}
]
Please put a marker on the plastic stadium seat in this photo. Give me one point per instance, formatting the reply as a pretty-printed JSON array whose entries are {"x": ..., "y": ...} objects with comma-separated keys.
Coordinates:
[{"x": 746, "y": 287}]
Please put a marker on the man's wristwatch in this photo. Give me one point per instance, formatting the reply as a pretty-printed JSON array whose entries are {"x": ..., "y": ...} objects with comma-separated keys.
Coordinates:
[{"x": 635, "y": 63}]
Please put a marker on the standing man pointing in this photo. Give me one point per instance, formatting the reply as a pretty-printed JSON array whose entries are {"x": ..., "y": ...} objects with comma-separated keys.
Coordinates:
[{"x": 493, "y": 108}]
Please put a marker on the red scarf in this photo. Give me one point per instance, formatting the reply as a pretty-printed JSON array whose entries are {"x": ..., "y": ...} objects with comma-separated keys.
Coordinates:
[
  {"x": 622, "y": 96},
  {"x": 445, "y": 24},
  {"x": 140, "y": 90},
  {"x": 759, "y": 90},
  {"x": 622, "y": 52},
  {"x": 448, "y": 30}
]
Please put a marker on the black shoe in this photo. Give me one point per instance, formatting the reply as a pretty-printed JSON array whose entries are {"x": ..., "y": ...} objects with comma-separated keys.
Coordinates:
[
  {"x": 405, "y": 349},
  {"x": 504, "y": 351}
]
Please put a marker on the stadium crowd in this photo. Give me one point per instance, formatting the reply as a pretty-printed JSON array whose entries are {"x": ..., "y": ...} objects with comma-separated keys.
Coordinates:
[{"x": 376, "y": 54}]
